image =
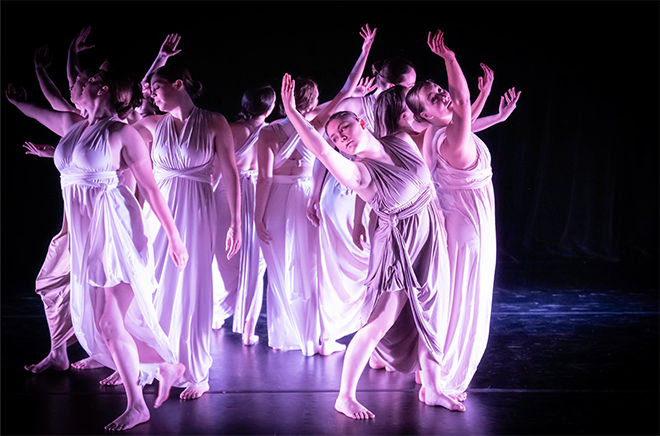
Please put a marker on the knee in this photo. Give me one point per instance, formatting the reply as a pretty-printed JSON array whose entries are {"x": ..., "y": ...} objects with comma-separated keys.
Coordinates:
[{"x": 108, "y": 327}]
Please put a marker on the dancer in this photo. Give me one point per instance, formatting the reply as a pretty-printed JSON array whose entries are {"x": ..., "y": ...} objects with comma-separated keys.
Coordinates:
[
  {"x": 288, "y": 240},
  {"x": 111, "y": 267},
  {"x": 408, "y": 268},
  {"x": 184, "y": 143},
  {"x": 53, "y": 281},
  {"x": 461, "y": 169},
  {"x": 238, "y": 282}
]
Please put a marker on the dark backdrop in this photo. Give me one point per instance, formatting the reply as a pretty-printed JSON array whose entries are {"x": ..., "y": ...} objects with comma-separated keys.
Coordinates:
[{"x": 575, "y": 166}]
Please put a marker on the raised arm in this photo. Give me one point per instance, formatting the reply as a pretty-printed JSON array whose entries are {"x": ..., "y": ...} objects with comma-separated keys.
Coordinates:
[
  {"x": 224, "y": 149},
  {"x": 78, "y": 44},
  {"x": 348, "y": 173},
  {"x": 485, "y": 86},
  {"x": 58, "y": 122},
  {"x": 42, "y": 60},
  {"x": 167, "y": 50},
  {"x": 351, "y": 82},
  {"x": 459, "y": 147},
  {"x": 507, "y": 105},
  {"x": 134, "y": 152}
]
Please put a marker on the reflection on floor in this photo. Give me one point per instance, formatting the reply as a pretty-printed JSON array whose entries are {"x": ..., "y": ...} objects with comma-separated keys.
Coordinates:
[{"x": 573, "y": 349}]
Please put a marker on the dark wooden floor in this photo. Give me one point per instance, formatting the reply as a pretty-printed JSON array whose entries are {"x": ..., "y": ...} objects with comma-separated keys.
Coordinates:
[{"x": 573, "y": 349}]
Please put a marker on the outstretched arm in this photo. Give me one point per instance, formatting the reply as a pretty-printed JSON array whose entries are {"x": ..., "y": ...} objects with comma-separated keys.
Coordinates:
[
  {"x": 41, "y": 150},
  {"x": 348, "y": 173},
  {"x": 134, "y": 152},
  {"x": 351, "y": 82},
  {"x": 507, "y": 105},
  {"x": 458, "y": 148},
  {"x": 485, "y": 86},
  {"x": 78, "y": 44},
  {"x": 57, "y": 122},
  {"x": 42, "y": 60}
]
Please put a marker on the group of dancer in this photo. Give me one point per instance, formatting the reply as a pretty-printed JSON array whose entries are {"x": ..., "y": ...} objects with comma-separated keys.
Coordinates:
[{"x": 372, "y": 213}]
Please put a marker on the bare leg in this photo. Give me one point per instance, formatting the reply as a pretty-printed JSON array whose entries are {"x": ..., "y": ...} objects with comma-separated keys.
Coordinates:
[
  {"x": 375, "y": 362},
  {"x": 86, "y": 363},
  {"x": 124, "y": 352},
  {"x": 249, "y": 338},
  {"x": 418, "y": 377},
  {"x": 361, "y": 347},
  {"x": 57, "y": 359}
]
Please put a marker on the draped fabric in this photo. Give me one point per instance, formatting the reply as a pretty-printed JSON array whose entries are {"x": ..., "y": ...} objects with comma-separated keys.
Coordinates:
[
  {"x": 53, "y": 284},
  {"x": 408, "y": 254},
  {"x": 182, "y": 163},
  {"x": 238, "y": 282},
  {"x": 108, "y": 243},
  {"x": 467, "y": 201}
]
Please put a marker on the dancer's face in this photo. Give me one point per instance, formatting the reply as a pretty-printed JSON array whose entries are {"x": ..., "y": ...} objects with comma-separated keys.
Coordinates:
[
  {"x": 437, "y": 104},
  {"x": 347, "y": 134},
  {"x": 408, "y": 80},
  {"x": 91, "y": 90},
  {"x": 164, "y": 92},
  {"x": 76, "y": 89}
]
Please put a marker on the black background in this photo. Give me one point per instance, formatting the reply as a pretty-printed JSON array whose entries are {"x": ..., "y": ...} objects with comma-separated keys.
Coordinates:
[{"x": 575, "y": 167}]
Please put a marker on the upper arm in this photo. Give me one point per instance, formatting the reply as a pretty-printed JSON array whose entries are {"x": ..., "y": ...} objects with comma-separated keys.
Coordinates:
[
  {"x": 146, "y": 127},
  {"x": 135, "y": 154},
  {"x": 459, "y": 148},
  {"x": 265, "y": 154},
  {"x": 223, "y": 138}
]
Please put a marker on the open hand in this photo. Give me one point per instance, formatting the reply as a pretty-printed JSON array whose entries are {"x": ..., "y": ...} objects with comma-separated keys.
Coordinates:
[
  {"x": 437, "y": 45},
  {"x": 42, "y": 57},
  {"x": 486, "y": 82},
  {"x": 508, "y": 102},
  {"x": 15, "y": 94},
  {"x": 364, "y": 87},
  {"x": 79, "y": 43},
  {"x": 169, "y": 45},
  {"x": 233, "y": 242},
  {"x": 41, "y": 150},
  {"x": 368, "y": 35},
  {"x": 178, "y": 252},
  {"x": 288, "y": 99}
]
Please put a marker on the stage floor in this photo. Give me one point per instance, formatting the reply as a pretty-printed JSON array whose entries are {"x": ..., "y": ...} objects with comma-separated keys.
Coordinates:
[{"x": 573, "y": 349}]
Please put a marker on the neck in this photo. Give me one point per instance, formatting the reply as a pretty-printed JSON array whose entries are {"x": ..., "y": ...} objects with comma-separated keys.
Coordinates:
[
  {"x": 183, "y": 109},
  {"x": 373, "y": 149},
  {"x": 98, "y": 112}
]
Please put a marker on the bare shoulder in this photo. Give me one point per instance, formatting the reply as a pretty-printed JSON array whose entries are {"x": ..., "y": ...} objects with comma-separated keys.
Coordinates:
[
  {"x": 352, "y": 104},
  {"x": 149, "y": 121},
  {"x": 219, "y": 119}
]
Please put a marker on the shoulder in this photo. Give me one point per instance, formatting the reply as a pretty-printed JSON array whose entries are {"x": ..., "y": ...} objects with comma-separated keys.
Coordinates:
[
  {"x": 239, "y": 131},
  {"x": 149, "y": 121},
  {"x": 350, "y": 104}
]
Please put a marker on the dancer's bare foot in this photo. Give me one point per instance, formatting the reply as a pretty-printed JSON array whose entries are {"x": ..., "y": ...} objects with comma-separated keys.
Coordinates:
[
  {"x": 130, "y": 418},
  {"x": 351, "y": 408},
  {"x": 56, "y": 359},
  {"x": 460, "y": 397},
  {"x": 195, "y": 391},
  {"x": 375, "y": 362},
  {"x": 418, "y": 377},
  {"x": 113, "y": 379},
  {"x": 329, "y": 347},
  {"x": 250, "y": 339},
  {"x": 169, "y": 373},
  {"x": 434, "y": 399},
  {"x": 86, "y": 363}
]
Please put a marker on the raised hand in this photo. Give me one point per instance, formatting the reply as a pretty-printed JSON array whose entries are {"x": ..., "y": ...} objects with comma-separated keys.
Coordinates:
[
  {"x": 288, "y": 99},
  {"x": 508, "y": 102},
  {"x": 368, "y": 35},
  {"x": 486, "y": 82},
  {"x": 41, "y": 150},
  {"x": 437, "y": 46},
  {"x": 42, "y": 57},
  {"x": 169, "y": 45},
  {"x": 364, "y": 87},
  {"x": 79, "y": 43},
  {"x": 15, "y": 94}
]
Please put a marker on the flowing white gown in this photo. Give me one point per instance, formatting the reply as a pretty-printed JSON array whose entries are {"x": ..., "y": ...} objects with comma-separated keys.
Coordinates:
[
  {"x": 292, "y": 293},
  {"x": 467, "y": 199},
  {"x": 184, "y": 300},
  {"x": 108, "y": 242},
  {"x": 238, "y": 283}
]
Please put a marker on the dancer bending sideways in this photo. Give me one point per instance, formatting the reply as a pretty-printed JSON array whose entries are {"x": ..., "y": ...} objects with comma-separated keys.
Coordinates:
[
  {"x": 186, "y": 143},
  {"x": 238, "y": 283},
  {"x": 289, "y": 241},
  {"x": 112, "y": 276},
  {"x": 408, "y": 268},
  {"x": 461, "y": 169}
]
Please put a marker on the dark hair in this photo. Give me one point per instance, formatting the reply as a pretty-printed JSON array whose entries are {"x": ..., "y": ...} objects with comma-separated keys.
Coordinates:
[
  {"x": 415, "y": 101},
  {"x": 390, "y": 104},
  {"x": 391, "y": 70},
  {"x": 125, "y": 92},
  {"x": 341, "y": 115},
  {"x": 174, "y": 72},
  {"x": 305, "y": 92},
  {"x": 256, "y": 101}
]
